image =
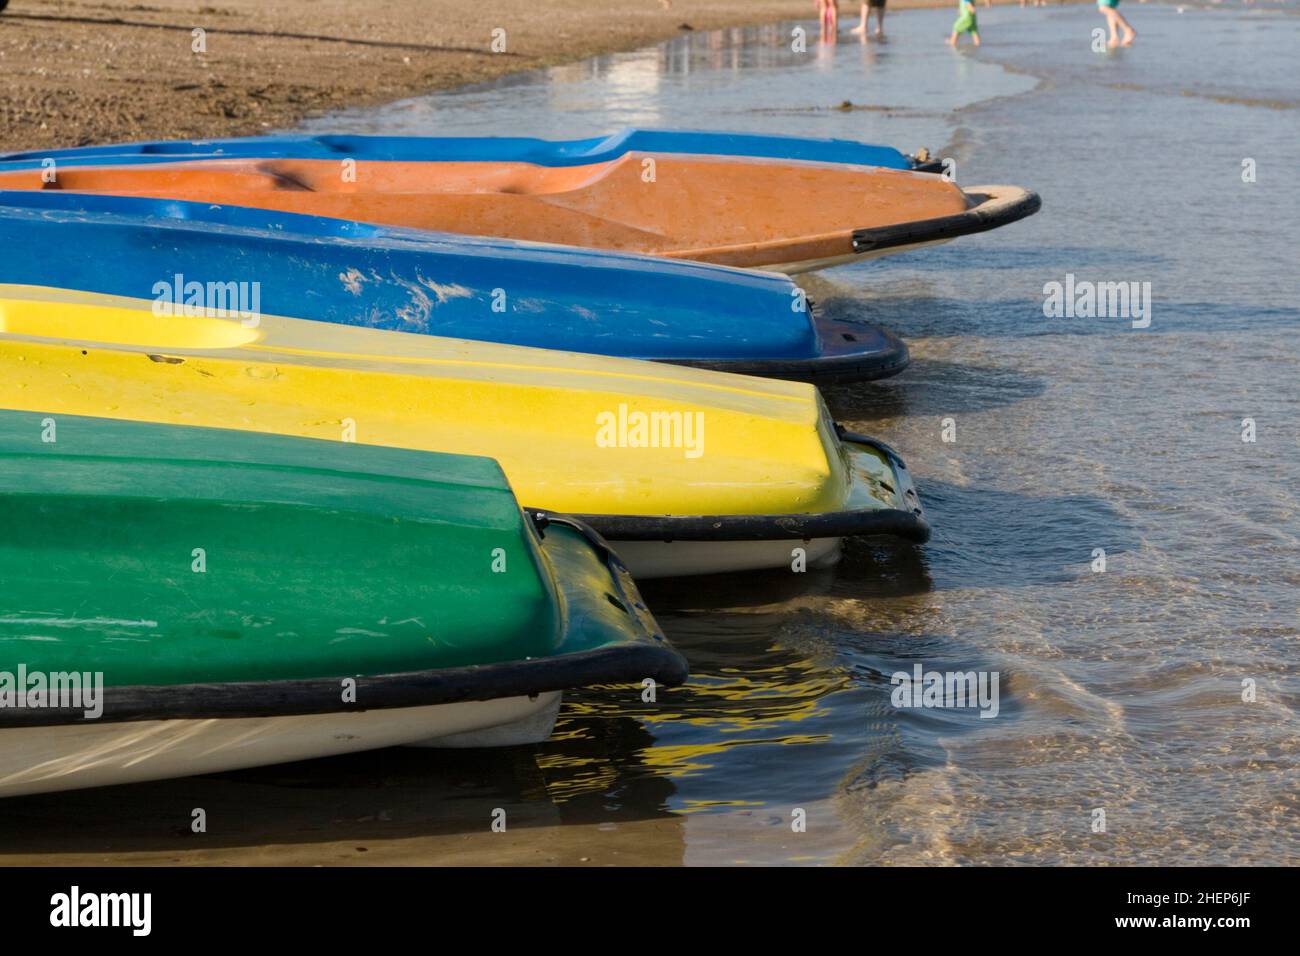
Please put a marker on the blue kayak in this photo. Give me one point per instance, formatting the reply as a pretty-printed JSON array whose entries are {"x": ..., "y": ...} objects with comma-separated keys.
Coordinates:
[
  {"x": 491, "y": 290},
  {"x": 504, "y": 149}
]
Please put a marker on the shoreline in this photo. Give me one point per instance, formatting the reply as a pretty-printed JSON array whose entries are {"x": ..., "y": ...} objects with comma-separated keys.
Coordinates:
[{"x": 79, "y": 72}]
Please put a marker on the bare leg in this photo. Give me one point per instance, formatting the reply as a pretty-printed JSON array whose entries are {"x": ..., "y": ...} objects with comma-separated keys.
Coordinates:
[
  {"x": 976, "y": 38},
  {"x": 1110, "y": 14},
  {"x": 880, "y": 22},
  {"x": 1129, "y": 32},
  {"x": 861, "y": 28},
  {"x": 952, "y": 40}
]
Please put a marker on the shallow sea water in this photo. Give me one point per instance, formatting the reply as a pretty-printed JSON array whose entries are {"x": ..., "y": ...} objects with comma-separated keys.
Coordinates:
[{"x": 1120, "y": 690}]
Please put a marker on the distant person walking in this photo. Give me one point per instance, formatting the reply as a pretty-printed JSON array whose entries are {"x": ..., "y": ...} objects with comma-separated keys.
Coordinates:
[
  {"x": 966, "y": 23},
  {"x": 1115, "y": 20},
  {"x": 879, "y": 7}
]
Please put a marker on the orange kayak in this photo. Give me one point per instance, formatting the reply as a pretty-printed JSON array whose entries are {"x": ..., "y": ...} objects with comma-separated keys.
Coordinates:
[{"x": 782, "y": 215}]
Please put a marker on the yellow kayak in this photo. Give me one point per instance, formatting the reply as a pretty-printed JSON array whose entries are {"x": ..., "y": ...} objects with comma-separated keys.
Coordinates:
[{"x": 734, "y": 471}]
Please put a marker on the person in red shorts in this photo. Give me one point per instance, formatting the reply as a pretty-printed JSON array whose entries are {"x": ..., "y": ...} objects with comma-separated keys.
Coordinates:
[{"x": 828, "y": 15}]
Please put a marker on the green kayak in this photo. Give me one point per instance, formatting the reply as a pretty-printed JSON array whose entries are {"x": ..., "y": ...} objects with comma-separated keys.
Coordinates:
[{"x": 183, "y": 600}]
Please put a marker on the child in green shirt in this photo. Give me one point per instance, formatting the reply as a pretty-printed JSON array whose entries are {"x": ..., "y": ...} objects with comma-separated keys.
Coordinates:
[{"x": 966, "y": 23}]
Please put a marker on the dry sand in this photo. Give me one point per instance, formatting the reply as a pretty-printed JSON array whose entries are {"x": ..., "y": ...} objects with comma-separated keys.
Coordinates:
[{"x": 84, "y": 72}]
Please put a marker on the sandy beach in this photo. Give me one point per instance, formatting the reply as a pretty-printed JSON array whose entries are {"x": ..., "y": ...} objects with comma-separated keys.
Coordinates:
[{"x": 85, "y": 72}]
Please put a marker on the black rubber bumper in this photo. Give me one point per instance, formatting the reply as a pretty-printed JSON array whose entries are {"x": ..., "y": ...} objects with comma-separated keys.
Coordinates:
[
  {"x": 905, "y": 520},
  {"x": 847, "y": 352},
  {"x": 994, "y": 206}
]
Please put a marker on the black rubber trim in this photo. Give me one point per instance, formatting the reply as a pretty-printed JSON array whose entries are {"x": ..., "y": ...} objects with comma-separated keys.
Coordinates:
[
  {"x": 906, "y": 521},
  {"x": 909, "y": 500},
  {"x": 891, "y": 522},
  {"x": 625, "y": 586},
  {"x": 980, "y": 218},
  {"x": 836, "y": 365},
  {"x": 650, "y": 655}
]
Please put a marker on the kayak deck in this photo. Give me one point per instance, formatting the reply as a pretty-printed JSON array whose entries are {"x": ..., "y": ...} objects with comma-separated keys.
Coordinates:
[
  {"x": 757, "y": 213},
  {"x": 197, "y": 567},
  {"x": 486, "y": 148},
  {"x": 407, "y": 280},
  {"x": 574, "y": 433}
]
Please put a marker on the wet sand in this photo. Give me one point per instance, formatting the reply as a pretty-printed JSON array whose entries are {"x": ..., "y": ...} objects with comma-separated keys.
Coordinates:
[
  {"x": 86, "y": 72},
  {"x": 406, "y": 807},
  {"x": 391, "y": 808}
]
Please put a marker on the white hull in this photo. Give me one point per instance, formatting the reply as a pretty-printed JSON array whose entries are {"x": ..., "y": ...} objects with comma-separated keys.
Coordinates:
[
  {"x": 91, "y": 754},
  {"x": 660, "y": 559}
]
